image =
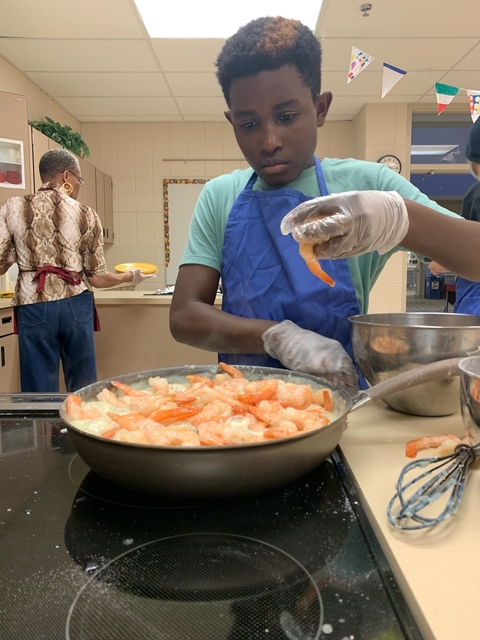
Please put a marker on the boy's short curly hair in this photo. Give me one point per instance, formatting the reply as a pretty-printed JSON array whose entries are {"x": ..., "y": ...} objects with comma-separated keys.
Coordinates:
[{"x": 266, "y": 44}]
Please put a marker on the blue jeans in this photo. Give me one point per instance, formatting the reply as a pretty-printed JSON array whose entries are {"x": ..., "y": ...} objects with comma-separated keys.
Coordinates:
[{"x": 52, "y": 331}]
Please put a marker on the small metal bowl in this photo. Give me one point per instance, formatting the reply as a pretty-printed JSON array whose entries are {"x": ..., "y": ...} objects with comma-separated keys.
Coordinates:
[
  {"x": 386, "y": 344},
  {"x": 470, "y": 397}
]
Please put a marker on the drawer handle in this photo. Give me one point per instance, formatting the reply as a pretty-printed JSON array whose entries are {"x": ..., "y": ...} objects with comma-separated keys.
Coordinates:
[
  {"x": 3, "y": 356},
  {"x": 7, "y": 319}
]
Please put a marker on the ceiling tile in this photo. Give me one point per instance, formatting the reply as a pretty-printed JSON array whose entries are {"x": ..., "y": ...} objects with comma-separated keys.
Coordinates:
[
  {"x": 346, "y": 106},
  {"x": 119, "y": 106},
  {"x": 129, "y": 118},
  {"x": 101, "y": 84},
  {"x": 216, "y": 118},
  {"x": 78, "y": 55},
  {"x": 438, "y": 18},
  {"x": 470, "y": 62},
  {"x": 194, "y": 84},
  {"x": 85, "y": 19},
  {"x": 187, "y": 54},
  {"x": 202, "y": 106},
  {"x": 465, "y": 79}
]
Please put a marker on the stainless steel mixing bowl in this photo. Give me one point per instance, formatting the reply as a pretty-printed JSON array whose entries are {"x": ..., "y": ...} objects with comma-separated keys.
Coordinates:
[
  {"x": 386, "y": 344},
  {"x": 470, "y": 389}
]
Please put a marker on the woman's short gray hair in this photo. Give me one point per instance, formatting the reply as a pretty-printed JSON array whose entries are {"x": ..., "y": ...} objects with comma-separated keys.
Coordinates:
[{"x": 55, "y": 161}]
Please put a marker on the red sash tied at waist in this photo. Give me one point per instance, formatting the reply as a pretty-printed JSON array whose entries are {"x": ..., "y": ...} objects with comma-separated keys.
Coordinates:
[
  {"x": 41, "y": 275},
  {"x": 68, "y": 276}
]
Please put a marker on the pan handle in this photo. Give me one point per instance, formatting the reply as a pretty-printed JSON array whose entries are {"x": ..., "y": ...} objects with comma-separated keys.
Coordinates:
[{"x": 420, "y": 375}]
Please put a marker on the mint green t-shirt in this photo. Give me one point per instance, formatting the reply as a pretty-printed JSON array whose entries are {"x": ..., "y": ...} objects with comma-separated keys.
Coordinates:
[{"x": 210, "y": 217}]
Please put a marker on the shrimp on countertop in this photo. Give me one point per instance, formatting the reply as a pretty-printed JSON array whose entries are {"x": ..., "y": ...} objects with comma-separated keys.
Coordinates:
[
  {"x": 308, "y": 254},
  {"x": 432, "y": 442}
]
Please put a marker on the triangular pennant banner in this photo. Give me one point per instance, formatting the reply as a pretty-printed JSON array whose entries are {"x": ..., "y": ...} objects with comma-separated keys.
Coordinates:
[
  {"x": 445, "y": 94},
  {"x": 359, "y": 60},
  {"x": 474, "y": 100},
  {"x": 391, "y": 76}
]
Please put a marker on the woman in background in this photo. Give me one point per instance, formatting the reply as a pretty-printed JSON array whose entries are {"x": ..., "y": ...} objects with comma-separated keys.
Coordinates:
[{"x": 58, "y": 245}]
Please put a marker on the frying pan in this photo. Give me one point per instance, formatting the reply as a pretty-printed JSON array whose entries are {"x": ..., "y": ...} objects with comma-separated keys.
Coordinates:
[{"x": 230, "y": 470}]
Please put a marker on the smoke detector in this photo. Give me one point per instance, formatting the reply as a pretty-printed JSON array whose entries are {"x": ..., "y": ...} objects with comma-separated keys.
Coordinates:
[{"x": 365, "y": 9}]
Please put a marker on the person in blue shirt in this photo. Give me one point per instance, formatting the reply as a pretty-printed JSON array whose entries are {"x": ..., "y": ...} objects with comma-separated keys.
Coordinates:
[
  {"x": 468, "y": 293},
  {"x": 274, "y": 311}
]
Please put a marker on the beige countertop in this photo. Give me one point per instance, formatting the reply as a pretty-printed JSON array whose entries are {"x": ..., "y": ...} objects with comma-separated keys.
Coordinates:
[
  {"x": 438, "y": 569},
  {"x": 116, "y": 296}
]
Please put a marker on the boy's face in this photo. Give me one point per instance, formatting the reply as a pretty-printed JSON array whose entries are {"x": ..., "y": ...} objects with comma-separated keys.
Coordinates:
[{"x": 275, "y": 122}]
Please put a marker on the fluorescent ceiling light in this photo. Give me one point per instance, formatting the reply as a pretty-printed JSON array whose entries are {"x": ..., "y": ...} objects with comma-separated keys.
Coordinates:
[
  {"x": 432, "y": 149},
  {"x": 217, "y": 19}
]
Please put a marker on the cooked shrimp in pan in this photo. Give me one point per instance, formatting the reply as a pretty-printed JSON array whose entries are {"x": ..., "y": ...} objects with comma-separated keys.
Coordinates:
[{"x": 202, "y": 412}]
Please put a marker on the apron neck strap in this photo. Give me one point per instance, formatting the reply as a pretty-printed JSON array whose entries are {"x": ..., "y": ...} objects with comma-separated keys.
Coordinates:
[{"x": 320, "y": 177}]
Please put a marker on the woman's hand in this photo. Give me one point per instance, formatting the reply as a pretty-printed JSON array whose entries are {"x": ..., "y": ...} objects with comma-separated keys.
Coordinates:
[{"x": 349, "y": 224}]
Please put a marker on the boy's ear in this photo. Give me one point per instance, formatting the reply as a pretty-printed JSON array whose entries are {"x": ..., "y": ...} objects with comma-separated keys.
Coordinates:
[
  {"x": 322, "y": 105},
  {"x": 228, "y": 116}
]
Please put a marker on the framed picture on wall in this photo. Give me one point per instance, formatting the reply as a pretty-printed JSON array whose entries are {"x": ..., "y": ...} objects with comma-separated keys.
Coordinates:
[
  {"x": 179, "y": 199},
  {"x": 12, "y": 164}
]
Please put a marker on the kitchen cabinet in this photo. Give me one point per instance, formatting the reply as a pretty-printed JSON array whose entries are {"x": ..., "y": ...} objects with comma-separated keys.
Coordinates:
[
  {"x": 100, "y": 198},
  {"x": 105, "y": 204},
  {"x": 9, "y": 356},
  {"x": 15, "y": 133},
  {"x": 108, "y": 189},
  {"x": 88, "y": 192},
  {"x": 39, "y": 147}
]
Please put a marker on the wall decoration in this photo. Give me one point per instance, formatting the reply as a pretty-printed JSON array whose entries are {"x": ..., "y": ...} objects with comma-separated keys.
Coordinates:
[
  {"x": 474, "y": 100},
  {"x": 359, "y": 60},
  {"x": 390, "y": 77},
  {"x": 445, "y": 94},
  {"x": 166, "y": 221},
  {"x": 63, "y": 135}
]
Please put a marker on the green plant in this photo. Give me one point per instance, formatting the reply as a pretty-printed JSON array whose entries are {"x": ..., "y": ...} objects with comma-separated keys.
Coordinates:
[{"x": 64, "y": 135}]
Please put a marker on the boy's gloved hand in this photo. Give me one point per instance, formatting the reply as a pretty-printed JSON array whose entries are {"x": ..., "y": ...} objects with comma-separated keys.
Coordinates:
[
  {"x": 349, "y": 224},
  {"x": 308, "y": 352},
  {"x": 139, "y": 277}
]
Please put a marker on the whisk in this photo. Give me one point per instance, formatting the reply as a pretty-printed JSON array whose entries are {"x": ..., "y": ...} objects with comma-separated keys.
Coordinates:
[{"x": 446, "y": 475}]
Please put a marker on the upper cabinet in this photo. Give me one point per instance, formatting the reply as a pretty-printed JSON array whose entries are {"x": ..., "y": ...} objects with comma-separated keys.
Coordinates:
[
  {"x": 15, "y": 163},
  {"x": 39, "y": 147},
  {"x": 108, "y": 189}
]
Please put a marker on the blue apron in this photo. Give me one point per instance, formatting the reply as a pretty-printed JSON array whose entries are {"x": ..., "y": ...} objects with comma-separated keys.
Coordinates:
[
  {"x": 467, "y": 299},
  {"x": 264, "y": 276}
]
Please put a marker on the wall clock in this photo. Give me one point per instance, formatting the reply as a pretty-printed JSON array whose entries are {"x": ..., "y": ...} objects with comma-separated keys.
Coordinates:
[{"x": 392, "y": 162}]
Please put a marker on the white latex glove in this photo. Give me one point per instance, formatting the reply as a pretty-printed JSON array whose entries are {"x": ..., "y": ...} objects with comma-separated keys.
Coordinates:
[
  {"x": 139, "y": 277},
  {"x": 308, "y": 352},
  {"x": 349, "y": 224}
]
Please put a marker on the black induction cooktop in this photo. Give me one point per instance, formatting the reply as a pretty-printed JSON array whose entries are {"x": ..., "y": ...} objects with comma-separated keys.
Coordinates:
[{"x": 83, "y": 559}]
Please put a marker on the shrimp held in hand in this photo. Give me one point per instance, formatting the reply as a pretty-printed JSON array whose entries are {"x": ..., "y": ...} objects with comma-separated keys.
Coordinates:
[{"x": 307, "y": 253}]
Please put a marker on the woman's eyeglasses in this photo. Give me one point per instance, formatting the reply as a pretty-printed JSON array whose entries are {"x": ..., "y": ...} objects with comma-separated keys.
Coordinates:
[{"x": 80, "y": 180}]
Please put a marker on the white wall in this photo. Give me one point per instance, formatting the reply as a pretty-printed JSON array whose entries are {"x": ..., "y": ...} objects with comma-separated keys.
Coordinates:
[{"x": 39, "y": 104}]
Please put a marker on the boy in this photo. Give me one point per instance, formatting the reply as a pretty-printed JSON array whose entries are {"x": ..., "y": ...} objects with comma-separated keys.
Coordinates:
[{"x": 274, "y": 311}]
